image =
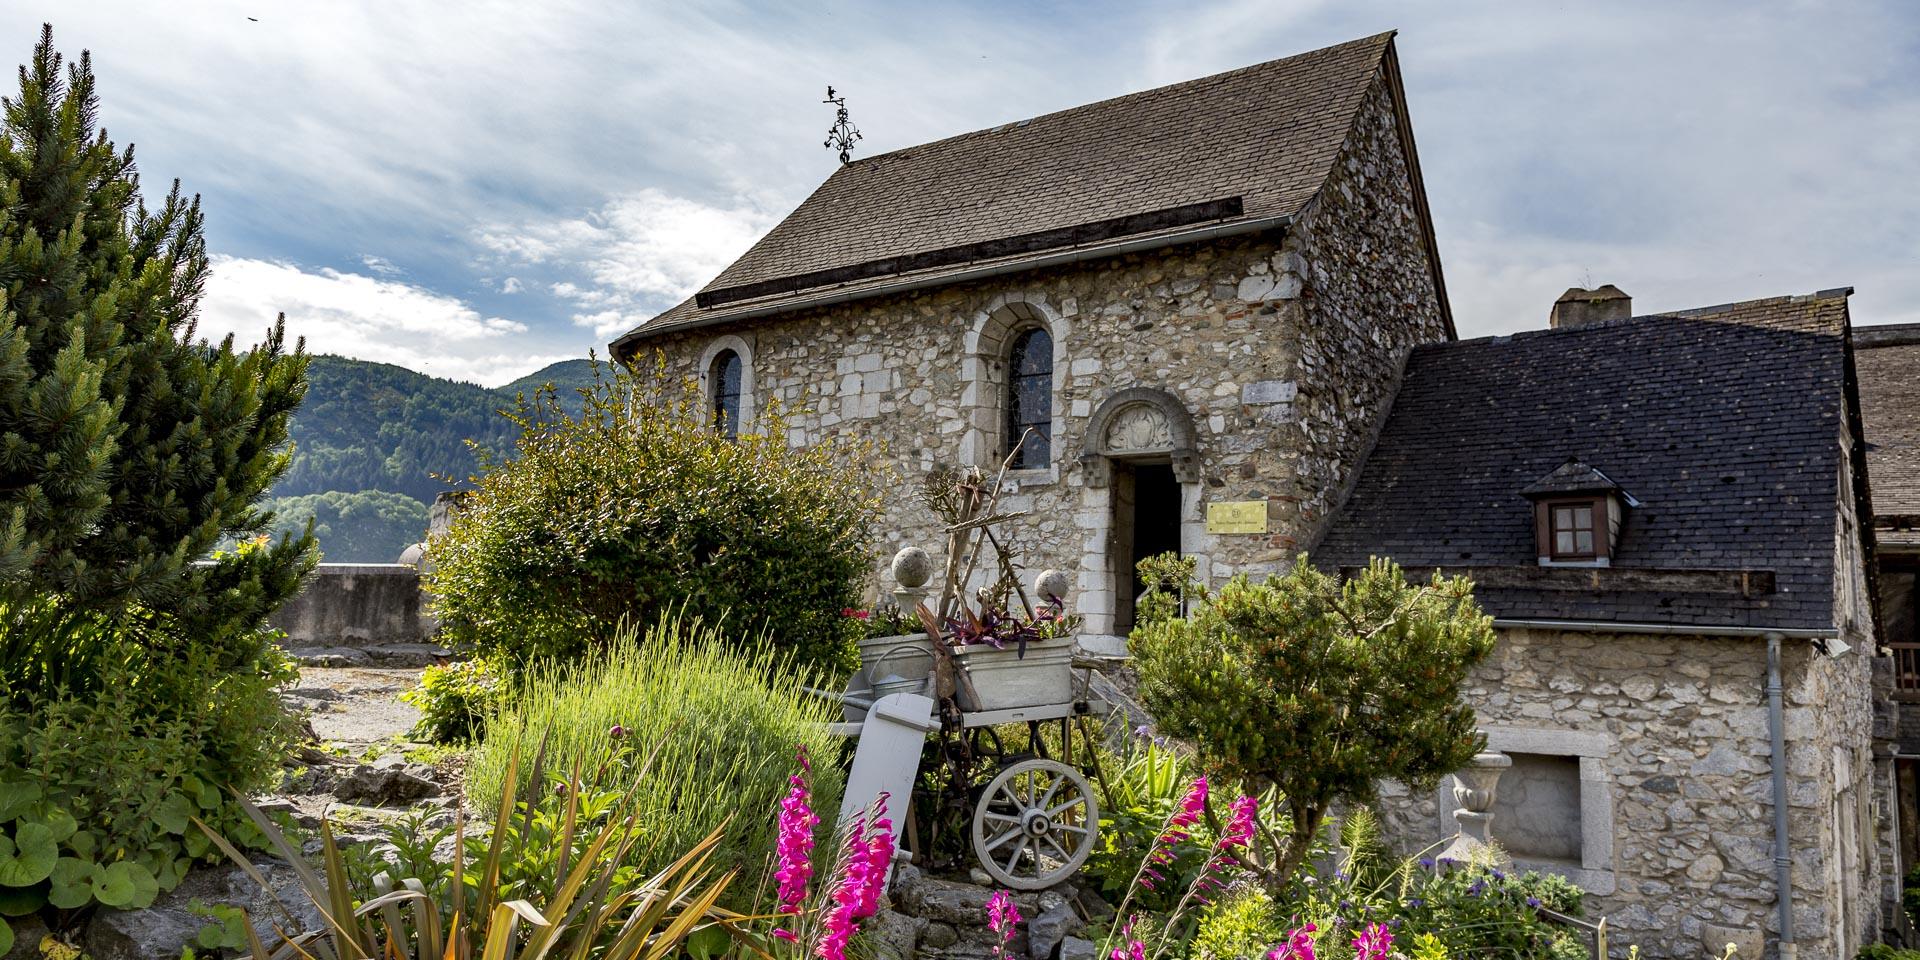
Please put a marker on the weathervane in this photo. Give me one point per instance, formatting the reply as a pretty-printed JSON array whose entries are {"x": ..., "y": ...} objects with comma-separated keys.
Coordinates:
[{"x": 843, "y": 134}]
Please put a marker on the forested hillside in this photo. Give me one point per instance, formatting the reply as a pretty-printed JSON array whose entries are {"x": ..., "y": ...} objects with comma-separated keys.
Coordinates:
[{"x": 380, "y": 441}]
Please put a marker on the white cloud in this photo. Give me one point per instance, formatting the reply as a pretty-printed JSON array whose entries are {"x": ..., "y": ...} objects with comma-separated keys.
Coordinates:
[
  {"x": 510, "y": 285},
  {"x": 637, "y": 255},
  {"x": 380, "y": 265},
  {"x": 366, "y": 317}
]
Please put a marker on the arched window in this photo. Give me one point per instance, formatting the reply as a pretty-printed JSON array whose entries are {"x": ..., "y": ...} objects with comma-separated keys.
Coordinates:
[
  {"x": 1030, "y": 399},
  {"x": 723, "y": 387}
]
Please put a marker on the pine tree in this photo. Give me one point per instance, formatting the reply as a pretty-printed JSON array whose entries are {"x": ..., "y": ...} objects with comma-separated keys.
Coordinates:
[{"x": 128, "y": 446}]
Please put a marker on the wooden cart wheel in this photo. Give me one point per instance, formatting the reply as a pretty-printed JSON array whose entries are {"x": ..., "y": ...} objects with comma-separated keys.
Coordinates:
[{"x": 1035, "y": 824}]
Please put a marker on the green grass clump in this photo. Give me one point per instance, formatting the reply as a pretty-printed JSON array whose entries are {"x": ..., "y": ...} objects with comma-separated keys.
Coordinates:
[{"x": 720, "y": 721}]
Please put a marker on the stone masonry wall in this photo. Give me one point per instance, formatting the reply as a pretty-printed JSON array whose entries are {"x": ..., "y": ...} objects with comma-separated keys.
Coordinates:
[
  {"x": 1283, "y": 350},
  {"x": 1676, "y": 793}
]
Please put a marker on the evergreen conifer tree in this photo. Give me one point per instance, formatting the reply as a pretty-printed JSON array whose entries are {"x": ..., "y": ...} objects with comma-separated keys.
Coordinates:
[{"x": 128, "y": 446}]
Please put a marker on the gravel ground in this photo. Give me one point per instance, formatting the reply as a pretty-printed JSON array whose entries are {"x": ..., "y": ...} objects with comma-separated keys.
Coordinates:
[{"x": 356, "y": 707}]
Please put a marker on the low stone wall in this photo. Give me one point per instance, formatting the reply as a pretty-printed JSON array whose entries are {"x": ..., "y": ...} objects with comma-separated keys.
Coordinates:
[{"x": 357, "y": 606}]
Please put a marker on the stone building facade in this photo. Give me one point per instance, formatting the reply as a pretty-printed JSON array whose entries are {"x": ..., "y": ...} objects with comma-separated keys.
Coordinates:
[
  {"x": 1251, "y": 366},
  {"x": 1634, "y": 690},
  {"x": 1225, "y": 294}
]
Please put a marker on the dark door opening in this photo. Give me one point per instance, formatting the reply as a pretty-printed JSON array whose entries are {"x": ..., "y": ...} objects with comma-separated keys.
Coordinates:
[{"x": 1146, "y": 523}]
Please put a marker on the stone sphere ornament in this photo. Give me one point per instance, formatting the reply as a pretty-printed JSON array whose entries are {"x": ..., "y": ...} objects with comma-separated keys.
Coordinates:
[
  {"x": 1052, "y": 585},
  {"x": 912, "y": 568}
]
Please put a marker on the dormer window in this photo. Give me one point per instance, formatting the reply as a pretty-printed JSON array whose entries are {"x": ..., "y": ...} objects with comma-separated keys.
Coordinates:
[
  {"x": 1577, "y": 514},
  {"x": 1570, "y": 530}
]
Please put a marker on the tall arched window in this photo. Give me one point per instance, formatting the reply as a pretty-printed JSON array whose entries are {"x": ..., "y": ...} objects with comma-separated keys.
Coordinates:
[
  {"x": 723, "y": 385},
  {"x": 1030, "y": 399}
]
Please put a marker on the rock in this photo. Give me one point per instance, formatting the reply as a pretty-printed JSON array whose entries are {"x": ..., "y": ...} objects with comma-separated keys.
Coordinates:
[
  {"x": 1046, "y": 931},
  {"x": 161, "y": 931},
  {"x": 978, "y": 876},
  {"x": 330, "y": 656},
  {"x": 1745, "y": 940},
  {"x": 28, "y": 931},
  {"x": 961, "y": 904},
  {"x": 1074, "y": 948},
  {"x": 408, "y": 654},
  {"x": 384, "y": 787},
  {"x": 893, "y": 935},
  {"x": 939, "y": 935}
]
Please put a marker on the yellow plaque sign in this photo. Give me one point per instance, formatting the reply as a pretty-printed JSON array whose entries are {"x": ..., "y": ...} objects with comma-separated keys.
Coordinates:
[{"x": 1242, "y": 516}]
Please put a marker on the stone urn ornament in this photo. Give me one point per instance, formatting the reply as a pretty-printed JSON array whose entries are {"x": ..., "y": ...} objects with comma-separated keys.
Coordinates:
[{"x": 1473, "y": 790}]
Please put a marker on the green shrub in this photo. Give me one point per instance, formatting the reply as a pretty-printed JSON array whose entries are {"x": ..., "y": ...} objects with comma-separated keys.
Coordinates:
[
  {"x": 420, "y": 906},
  {"x": 638, "y": 506},
  {"x": 1315, "y": 687},
  {"x": 454, "y": 700},
  {"x": 1881, "y": 951},
  {"x": 98, "y": 793},
  {"x": 719, "y": 724},
  {"x": 1242, "y": 926}
]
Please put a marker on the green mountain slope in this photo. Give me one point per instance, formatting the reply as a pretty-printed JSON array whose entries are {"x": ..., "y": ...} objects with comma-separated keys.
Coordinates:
[
  {"x": 368, "y": 431},
  {"x": 565, "y": 376}
]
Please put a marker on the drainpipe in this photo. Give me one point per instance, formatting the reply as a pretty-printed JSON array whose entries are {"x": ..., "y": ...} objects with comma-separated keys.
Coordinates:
[{"x": 1782, "y": 860}]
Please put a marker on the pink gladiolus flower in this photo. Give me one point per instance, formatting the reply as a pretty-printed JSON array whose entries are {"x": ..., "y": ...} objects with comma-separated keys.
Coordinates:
[
  {"x": 1240, "y": 824},
  {"x": 857, "y": 894},
  {"x": 794, "y": 846},
  {"x": 1134, "y": 950},
  {"x": 1299, "y": 945},
  {"x": 1373, "y": 942},
  {"x": 1002, "y": 915},
  {"x": 1191, "y": 807}
]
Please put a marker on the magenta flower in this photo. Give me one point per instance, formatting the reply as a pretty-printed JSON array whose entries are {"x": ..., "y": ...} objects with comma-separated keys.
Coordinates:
[
  {"x": 1240, "y": 823},
  {"x": 1299, "y": 945},
  {"x": 863, "y": 876},
  {"x": 1002, "y": 915},
  {"x": 794, "y": 845},
  {"x": 877, "y": 847},
  {"x": 1373, "y": 942},
  {"x": 1134, "y": 950},
  {"x": 1186, "y": 815}
]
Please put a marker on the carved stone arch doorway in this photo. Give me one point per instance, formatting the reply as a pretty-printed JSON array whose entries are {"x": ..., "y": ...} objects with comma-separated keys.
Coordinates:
[{"x": 1139, "y": 455}]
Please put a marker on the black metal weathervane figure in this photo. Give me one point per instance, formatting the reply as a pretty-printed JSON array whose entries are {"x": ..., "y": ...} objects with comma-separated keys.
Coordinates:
[{"x": 843, "y": 134}]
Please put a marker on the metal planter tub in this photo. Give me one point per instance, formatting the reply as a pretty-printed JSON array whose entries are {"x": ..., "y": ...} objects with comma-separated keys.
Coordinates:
[{"x": 1002, "y": 679}]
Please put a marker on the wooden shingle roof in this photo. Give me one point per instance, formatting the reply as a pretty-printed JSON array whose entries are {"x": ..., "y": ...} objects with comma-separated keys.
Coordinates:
[
  {"x": 1724, "y": 423},
  {"x": 1887, "y": 361},
  {"x": 1253, "y": 144}
]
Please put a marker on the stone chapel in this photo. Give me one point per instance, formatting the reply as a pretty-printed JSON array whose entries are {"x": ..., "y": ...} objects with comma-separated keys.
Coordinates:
[{"x": 1210, "y": 317}]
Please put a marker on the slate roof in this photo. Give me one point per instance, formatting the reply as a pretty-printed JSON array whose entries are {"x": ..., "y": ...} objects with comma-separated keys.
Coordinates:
[
  {"x": 1724, "y": 422},
  {"x": 1886, "y": 360},
  {"x": 1570, "y": 477},
  {"x": 1265, "y": 134}
]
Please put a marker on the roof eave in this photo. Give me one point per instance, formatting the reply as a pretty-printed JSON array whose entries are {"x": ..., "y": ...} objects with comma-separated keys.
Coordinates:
[{"x": 621, "y": 347}]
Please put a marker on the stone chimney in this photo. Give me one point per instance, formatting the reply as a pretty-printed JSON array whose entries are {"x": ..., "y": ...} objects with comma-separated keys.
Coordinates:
[{"x": 1584, "y": 308}]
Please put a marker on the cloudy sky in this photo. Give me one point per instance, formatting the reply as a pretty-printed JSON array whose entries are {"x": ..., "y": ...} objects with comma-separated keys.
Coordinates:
[{"x": 474, "y": 189}]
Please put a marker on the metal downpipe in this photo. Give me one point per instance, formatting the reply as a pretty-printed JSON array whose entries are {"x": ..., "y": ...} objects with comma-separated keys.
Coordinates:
[{"x": 1782, "y": 859}]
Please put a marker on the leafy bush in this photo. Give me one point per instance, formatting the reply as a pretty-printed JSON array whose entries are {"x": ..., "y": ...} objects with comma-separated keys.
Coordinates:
[
  {"x": 454, "y": 700},
  {"x": 1482, "y": 910},
  {"x": 587, "y": 904},
  {"x": 99, "y": 792},
  {"x": 1881, "y": 951},
  {"x": 719, "y": 725},
  {"x": 1264, "y": 680},
  {"x": 638, "y": 506},
  {"x": 1242, "y": 926}
]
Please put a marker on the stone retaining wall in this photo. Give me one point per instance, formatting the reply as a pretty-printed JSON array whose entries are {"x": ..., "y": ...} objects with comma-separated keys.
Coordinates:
[{"x": 357, "y": 605}]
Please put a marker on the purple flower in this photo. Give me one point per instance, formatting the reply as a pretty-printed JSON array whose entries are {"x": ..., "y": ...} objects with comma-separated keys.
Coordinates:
[
  {"x": 1373, "y": 942},
  {"x": 794, "y": 846},
  {"x": 1134, "y": 950},
  {"x": 1533, "y": 902},
  {"x": 1426, "y": 862},
  {"x": 617, "y": 732},
  {"x": 1299, "y": 945},
  {"x": 1002, "y": 915}
]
